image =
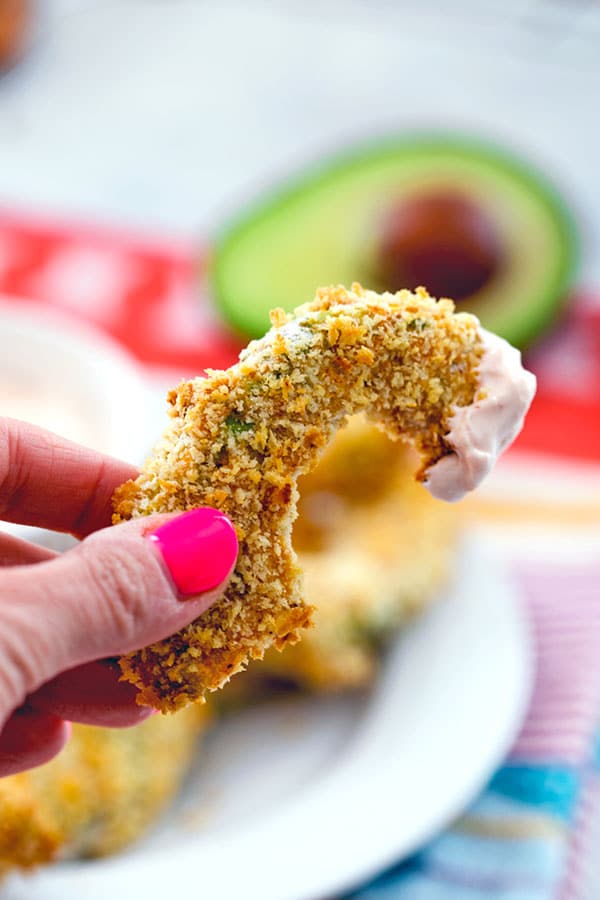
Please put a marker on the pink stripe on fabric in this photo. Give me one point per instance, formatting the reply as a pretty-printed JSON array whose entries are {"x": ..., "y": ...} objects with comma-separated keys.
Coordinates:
[
  {"x": 564, "y": 608},
  {"x": 580, "y": 855},
  {"x": 544, "y": 755},
  {"x": 568, "y": 706}
]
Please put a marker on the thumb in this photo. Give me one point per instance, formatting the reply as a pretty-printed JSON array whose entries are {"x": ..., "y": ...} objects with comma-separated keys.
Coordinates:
[{"x": 118, "y": 590}]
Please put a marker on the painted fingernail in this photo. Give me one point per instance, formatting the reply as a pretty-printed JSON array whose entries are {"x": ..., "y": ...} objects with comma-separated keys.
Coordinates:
[{"x": 199, "y": 548}]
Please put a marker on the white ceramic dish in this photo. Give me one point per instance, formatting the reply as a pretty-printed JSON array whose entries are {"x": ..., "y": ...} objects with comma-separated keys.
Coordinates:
[
  {"x": 304, "y": 799},
  {"x": 73, "y": 379},
  {"x": 86, "y": 381}
]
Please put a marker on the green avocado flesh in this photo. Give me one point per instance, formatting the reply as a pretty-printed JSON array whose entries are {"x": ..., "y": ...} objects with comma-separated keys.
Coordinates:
[{"x": 323, "y": 229}]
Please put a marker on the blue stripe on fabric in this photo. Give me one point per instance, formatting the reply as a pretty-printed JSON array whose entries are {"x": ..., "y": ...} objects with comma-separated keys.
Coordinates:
[
  {"x": 481, "y": 859},
  {"x": 419, "y": 886},
  {"x": 471, "y": 867},
  {"x": 553, "y": 789},
  {"x": 463, "y": 865},
  {"x": 495, "y": 807}
]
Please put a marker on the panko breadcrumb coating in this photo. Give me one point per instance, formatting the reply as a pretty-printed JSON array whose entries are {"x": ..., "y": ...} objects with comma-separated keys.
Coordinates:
[
  {"x": 99, "y": 793},
  {"x": 374, "y": 547},
  {"x": 240, "y": 438}
]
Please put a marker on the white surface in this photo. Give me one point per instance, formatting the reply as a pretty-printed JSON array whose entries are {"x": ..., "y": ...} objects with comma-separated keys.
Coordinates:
[
  {"x": 166, "y": 115},
  {"x": 307, "y": 798},
  {"x": 83, "y": 381},
  {"x": 74, "y": 380}
]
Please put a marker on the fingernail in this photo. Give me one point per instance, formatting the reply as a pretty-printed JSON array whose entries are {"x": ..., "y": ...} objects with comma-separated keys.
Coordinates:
[{"x": 199, "y": 548}]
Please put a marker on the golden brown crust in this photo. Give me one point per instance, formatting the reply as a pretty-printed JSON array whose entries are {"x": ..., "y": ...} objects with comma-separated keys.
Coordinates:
[
  {"x": 240, "y": 438},
  {"x": 374, "y": 547},
  {"x": 99, "y": 794}
]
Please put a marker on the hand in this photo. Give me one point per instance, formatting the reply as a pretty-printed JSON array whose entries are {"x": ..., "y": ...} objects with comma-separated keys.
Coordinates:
[{"x": 62, "y": 616}]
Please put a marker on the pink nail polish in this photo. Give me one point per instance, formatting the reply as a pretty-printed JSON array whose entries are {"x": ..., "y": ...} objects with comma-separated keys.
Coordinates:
[{"x": 199, "y": 548}]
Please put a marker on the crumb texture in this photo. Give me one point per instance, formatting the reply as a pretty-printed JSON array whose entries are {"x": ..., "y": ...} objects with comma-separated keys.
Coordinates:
[
  {"x": 99, "y": 794},
  {"x": 375, "y": 549},
  {"x": 239, "y": 439}
]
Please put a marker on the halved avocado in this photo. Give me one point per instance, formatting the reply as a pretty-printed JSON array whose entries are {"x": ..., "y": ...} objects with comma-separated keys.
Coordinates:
[{"x": 332, "y": 225}]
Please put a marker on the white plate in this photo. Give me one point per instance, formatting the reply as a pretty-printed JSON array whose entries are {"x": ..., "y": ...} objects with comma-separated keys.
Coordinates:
[
  {"x": 70, "y": 377},
  {"x": 305, "y": 799},
  {"x": 95, "y": 389}
]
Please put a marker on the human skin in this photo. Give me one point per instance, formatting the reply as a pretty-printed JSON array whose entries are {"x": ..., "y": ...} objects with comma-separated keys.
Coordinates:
[{"x": 64, "y": 617}]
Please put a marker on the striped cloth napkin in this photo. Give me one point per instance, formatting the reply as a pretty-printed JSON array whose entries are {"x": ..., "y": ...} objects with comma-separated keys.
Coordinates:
[{"x": 527, "y": 837}]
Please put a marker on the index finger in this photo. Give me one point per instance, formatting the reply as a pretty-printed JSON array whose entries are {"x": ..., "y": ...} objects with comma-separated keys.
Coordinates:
[{"x": 50, "y": 482}]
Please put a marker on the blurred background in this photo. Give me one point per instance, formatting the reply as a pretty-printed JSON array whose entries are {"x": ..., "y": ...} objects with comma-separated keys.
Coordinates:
[
  {"x": 133, "y": 136},
  {"x": 166, "y": 115},
  {"x": 142, "y": 143}
]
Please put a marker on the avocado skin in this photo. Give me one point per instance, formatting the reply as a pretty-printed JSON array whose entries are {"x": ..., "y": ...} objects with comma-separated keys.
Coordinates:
[{"x": 520, "y": 327}]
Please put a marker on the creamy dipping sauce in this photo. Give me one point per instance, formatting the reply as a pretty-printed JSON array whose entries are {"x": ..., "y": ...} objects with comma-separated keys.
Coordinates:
[{"x": 479, "y": 433}]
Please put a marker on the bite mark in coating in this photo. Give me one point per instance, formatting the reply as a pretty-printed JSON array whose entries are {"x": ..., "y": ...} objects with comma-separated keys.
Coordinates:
[
  {"x": 240, "y": 438},
  {"x": 374, "y": 546}
]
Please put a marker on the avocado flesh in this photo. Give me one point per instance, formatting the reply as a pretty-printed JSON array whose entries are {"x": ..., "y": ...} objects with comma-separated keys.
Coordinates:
[{"x": 323, "y": 230}]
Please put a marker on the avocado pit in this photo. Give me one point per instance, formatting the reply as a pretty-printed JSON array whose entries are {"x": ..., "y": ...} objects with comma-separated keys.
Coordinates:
[{"x": 441, "y": 240}]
